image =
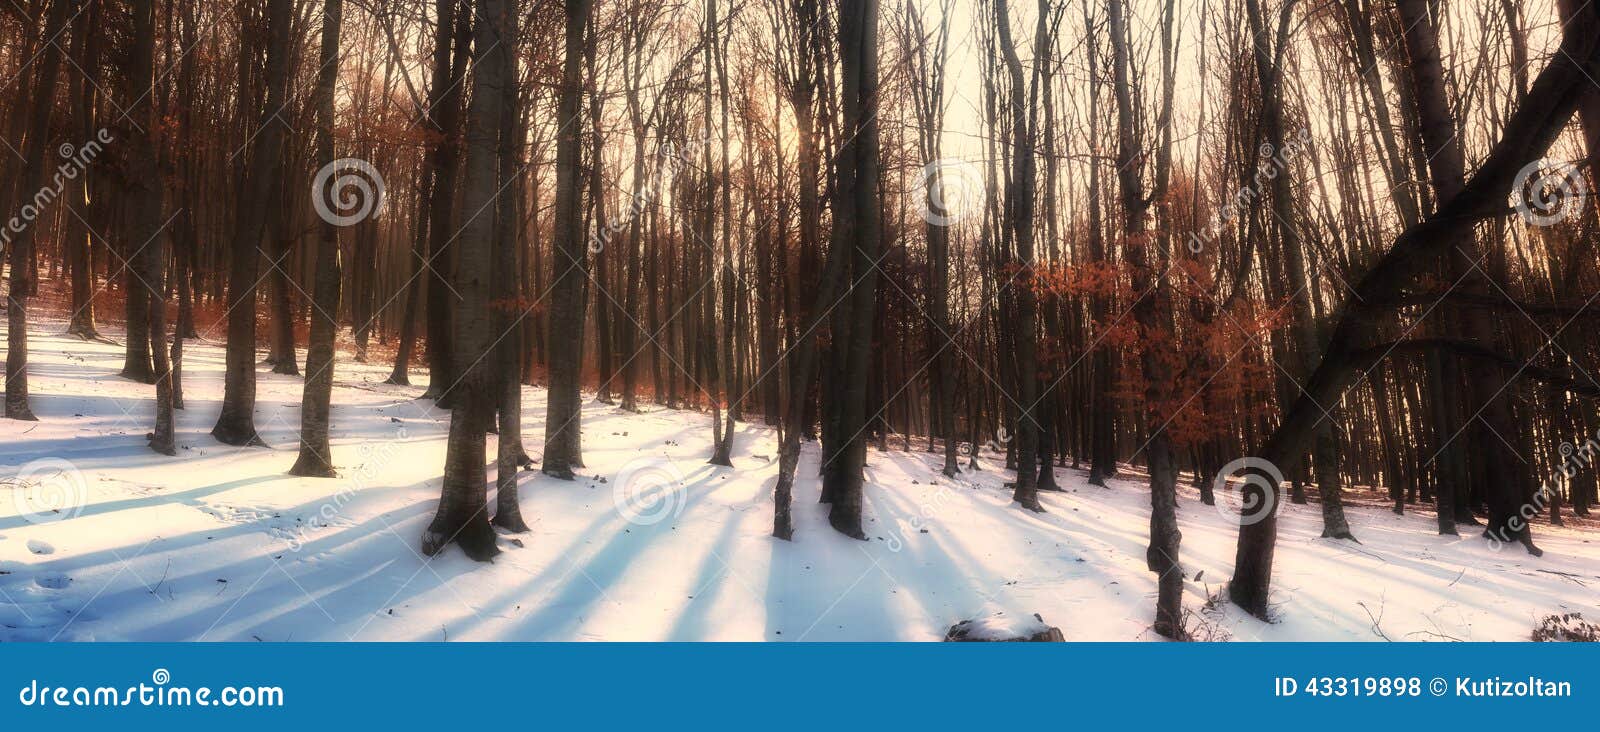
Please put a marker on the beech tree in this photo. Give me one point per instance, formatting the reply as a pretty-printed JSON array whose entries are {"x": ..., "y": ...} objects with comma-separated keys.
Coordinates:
[
  {"x": 236, "y": 424},
  {"x": 316, "y": 458}
]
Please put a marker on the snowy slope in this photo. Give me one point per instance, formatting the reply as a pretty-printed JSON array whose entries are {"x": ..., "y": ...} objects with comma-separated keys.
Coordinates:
[{"x": 218, "y": 543}]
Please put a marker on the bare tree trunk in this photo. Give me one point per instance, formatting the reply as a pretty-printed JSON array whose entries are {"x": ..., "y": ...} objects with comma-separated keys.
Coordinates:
[
  {"x": 147, "y": 190},
  {"x": 561, "y": 447},
  {"x": 316, "y": 457},
  {"x": 236, "y": 424},
  {"x": 1152, "y": 312},
  {"x": 804, "y": 355},
  {"x": 21, "y": 254},
  {"x": 400, "y": 375},
  {"x": 510, "y": 455},
  {"x": 1268, "y": 75},
  {"x": 463, "y": 503},
  {"x": 80, "y": 240},
  {"x": 1492, "y": 422},
  {"x": 1102, "y": 410},
  {"x": 1019, "y": 218},
  {"x": 927, "y": 65},
  {"x": 722, "y": 432},
  {"x": 1544, "y": 111},
  {"x": 857, "y": 230},
  {"x": 445, "y": 115}
]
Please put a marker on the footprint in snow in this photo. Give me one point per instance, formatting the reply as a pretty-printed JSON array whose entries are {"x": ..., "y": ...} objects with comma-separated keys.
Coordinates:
[
  {"x": 53, "y": 581},
  {"x": 38, "y": 546}
]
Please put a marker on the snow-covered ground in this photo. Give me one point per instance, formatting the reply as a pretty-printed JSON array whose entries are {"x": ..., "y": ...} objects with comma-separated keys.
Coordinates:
[{"x": 218, "y": 543}]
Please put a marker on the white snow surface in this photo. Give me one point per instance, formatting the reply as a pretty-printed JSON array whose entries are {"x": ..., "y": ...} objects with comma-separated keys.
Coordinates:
[{"x": 650, "y": 543}]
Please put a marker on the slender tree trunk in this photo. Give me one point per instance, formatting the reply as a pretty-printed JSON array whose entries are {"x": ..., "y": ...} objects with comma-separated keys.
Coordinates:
[
  {"x": 722, "y": 430},
  {"x": 1152, "y": 312},
  {"x": 400, "y": 375},
  {"x": 561, "y": 450},
  {"x": 147, "y": 189},
  {"x": 510, "y": 455},
  {"x": 1102, "y": 410},
  {"x": 804, "y": 354},
  {"x": 1268, "y": 76},
  {"x": 445, "y": 116},
  {"x": 1019, "y": 218},
  {"x": 316, "y": 456},
  {"x": 80, "y": 239}
]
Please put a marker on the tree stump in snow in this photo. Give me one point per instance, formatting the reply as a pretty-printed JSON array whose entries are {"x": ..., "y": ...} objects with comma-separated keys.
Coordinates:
[{"x": 1000, "y": 629}]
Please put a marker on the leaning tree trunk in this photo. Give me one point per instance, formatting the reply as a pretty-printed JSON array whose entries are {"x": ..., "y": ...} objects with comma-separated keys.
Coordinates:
[
  {"x": 1544, "y": 111},
  {"x": 1269, "y": 78},
  {"x": 316, "y": 458}
]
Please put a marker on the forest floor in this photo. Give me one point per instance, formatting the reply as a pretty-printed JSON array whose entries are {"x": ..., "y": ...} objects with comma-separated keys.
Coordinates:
[{"x": 218, "y": 543}]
